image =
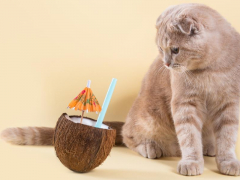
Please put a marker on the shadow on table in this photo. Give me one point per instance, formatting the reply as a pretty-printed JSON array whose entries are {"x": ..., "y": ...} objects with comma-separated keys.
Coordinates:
[{"x": 172, "y": 162}]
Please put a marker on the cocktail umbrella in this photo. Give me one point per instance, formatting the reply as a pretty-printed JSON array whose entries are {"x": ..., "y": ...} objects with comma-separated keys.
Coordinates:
[{"x": 85, "y": 101}]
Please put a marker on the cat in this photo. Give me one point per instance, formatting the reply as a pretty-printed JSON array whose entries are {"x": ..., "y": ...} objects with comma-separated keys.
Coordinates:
[
  {"x": 189, "y": 100},
  {"x": 188, "y": 104}
]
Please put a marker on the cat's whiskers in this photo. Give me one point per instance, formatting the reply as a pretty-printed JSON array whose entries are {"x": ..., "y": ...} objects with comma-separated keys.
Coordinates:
[
  {"x": 159, "y": 70},
  {"x": 164, "y": 71}
]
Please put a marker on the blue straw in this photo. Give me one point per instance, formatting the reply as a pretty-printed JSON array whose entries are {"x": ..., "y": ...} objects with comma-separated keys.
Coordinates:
[{"x": 106, "y": 103}]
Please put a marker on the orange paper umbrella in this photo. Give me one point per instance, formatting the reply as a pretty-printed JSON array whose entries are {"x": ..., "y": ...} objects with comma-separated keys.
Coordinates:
[{"x": 85, "y": 101}]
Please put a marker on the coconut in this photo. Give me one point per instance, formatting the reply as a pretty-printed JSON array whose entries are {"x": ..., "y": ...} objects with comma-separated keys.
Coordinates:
[{"x": 82, "y": 147}]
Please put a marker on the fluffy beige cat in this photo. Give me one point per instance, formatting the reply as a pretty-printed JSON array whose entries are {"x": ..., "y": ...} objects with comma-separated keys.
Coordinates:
[{"x": 189, "y": 101}]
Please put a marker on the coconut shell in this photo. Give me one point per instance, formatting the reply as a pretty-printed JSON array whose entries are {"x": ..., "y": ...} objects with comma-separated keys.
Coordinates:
[{"x": 80, "y": 147}]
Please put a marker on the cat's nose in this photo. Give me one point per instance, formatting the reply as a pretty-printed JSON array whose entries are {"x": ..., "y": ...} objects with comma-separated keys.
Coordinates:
[
  {"x": 167, "y": 64},
  {"x": 167, "y": 60}
]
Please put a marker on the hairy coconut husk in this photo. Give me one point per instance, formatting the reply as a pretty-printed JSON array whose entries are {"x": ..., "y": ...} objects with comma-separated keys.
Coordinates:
[{"x": 81, "y": 147}]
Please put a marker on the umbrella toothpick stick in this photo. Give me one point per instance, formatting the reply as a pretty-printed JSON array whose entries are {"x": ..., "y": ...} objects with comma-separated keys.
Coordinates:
[{"x": 82, "y": 116}]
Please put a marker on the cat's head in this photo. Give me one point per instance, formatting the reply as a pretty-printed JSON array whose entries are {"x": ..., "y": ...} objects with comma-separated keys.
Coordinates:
[{"x": 187, "y": 37}]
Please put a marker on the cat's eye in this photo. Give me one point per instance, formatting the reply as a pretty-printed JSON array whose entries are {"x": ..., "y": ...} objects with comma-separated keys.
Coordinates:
[
  {"x": 175, "y": 50},
  {"x": 160, "y": 48}
]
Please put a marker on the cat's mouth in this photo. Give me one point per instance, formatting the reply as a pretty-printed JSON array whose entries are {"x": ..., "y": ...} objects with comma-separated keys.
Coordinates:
[
  {"x": 173, "y": 66},
  {"x": 176, "y": 66}
]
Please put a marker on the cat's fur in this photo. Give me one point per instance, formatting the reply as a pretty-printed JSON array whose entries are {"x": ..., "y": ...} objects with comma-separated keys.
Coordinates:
[{"x": 189, "y": 107}]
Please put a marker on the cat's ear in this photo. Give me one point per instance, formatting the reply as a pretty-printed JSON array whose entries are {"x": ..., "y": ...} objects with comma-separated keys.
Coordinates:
[
  {"x": 187, "y": 25},
  {"x": 158, "y": 22}
]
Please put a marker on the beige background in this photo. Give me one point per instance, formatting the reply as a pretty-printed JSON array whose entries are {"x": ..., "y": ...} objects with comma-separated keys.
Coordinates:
[{"x": 48, "y": 51}]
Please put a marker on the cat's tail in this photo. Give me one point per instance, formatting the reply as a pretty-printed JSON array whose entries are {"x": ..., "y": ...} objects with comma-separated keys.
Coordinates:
[{"x": 44, "y": 135}]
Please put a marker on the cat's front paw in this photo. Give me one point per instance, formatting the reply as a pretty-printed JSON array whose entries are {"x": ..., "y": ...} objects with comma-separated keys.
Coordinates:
[
  {"x": 149, "y": 150},
  {"x": 230, "y": 167},
  {"x": 190, "y": 167}
]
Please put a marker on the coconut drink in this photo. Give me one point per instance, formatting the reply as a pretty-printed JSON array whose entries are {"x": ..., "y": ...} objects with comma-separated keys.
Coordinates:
[
  {"x": 82, "y": 143},
  {"x": 82, "y": 147}
]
